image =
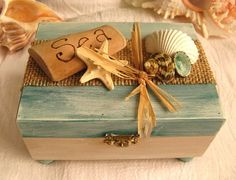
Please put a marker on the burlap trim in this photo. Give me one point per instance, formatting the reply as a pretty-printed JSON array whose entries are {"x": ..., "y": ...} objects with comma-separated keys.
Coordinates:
[{"x": 200, "y": 73}]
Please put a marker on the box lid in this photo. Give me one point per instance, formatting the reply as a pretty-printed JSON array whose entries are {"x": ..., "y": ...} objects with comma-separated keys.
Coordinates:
[{"x": 92, "y": 111}]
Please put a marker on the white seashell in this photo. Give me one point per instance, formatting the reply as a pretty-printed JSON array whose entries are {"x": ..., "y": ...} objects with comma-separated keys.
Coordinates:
[
  {"x": 19, "y": 21},
  {"x": 170, "y": 9},
  {"x": 211, "y": 18},
  {"x": 170, "y": 42},
  {"x": 135, "y": 3},
  {"x": 167, "y": 8}
]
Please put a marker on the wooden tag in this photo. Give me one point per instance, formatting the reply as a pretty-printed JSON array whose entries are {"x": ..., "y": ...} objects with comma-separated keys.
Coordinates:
[{"x": 58, "y": 59}]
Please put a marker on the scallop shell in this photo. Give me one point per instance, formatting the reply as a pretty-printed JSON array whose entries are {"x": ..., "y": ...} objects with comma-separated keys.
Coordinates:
[
  {"x": 170, "y": 42},
  {"x": 19, "y": 21}
]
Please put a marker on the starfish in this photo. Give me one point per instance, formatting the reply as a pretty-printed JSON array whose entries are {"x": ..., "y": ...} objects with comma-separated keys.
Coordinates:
[{"x": 95, "y": 71}]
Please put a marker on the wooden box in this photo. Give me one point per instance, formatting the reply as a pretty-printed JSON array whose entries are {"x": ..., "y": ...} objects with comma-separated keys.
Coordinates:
[{"x": 59, "y": 122}]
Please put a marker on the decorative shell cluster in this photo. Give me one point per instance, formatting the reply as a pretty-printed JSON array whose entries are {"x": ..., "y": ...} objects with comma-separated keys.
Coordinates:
[
  {"x": 19, "y": 21},
  {"x": 172, "y": 50},
  {"x": 170, "y": 42}
]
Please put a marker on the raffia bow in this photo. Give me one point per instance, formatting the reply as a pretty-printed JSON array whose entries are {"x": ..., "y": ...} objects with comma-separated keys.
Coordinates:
[{"x": 146, "y": 115}]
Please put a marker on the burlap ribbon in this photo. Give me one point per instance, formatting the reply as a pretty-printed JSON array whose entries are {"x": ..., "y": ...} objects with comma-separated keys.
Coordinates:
[{"x": 200, "y": 73}]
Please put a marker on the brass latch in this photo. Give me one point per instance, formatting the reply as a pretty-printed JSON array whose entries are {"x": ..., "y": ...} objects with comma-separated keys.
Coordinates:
[{"x": 121, "y": 140}]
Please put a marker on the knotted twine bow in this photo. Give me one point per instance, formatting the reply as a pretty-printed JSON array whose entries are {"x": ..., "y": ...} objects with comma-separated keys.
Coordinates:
[{"x": 146, "y": 115}]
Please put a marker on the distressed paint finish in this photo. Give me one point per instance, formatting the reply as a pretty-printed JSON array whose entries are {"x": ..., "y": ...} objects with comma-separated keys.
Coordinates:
[
  {"x": 81, "y": 112},
  {"x": 63, "y": 28},
  {"x": 93, "y": 111}
]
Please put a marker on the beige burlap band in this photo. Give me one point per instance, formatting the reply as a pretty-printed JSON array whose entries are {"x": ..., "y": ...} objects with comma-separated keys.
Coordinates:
[{"x": 200, "y": 73}]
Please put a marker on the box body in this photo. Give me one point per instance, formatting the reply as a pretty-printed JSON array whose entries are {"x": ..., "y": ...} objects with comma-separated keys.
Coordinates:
[{"x": 69, "y": 123}]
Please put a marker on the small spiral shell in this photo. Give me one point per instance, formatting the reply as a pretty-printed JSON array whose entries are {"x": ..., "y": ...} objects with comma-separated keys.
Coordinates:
[
  {"x": 161, "y": 66},
  {"x": 151, "y": 66}
]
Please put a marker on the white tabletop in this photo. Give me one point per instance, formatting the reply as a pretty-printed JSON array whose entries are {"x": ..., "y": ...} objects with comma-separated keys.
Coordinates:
[{"x": 219, "y": 161}]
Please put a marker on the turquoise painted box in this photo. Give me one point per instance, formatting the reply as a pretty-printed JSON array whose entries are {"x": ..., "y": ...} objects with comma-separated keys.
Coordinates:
[{"x": 62, "y": 122}]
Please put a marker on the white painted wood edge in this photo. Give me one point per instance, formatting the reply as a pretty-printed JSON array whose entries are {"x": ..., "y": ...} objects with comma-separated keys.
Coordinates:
[{"x": 95, "y": 149}]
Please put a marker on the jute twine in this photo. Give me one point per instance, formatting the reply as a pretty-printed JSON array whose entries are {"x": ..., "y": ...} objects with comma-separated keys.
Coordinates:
[{"x": 200, "y": 73}]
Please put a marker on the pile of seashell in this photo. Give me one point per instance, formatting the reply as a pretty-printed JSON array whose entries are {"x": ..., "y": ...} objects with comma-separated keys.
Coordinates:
[
  {"x": 19, "y": 21},
  {"x": 172, "y": 50}
]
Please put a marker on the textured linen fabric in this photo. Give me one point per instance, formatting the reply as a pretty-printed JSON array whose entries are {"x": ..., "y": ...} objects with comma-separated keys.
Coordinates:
[{"x": 218, "y": 163}]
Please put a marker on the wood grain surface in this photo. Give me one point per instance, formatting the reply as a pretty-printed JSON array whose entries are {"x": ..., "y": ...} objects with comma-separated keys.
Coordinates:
[
  {"x": 57, "y": 58},
  {"x": 44, "y": 31},
  {"x": 87, "y": 111},
  {"x": 96, "y": 149}
]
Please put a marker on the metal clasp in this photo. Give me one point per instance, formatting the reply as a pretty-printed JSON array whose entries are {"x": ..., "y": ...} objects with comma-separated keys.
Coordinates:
[{"x": 121, "y": 140}]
